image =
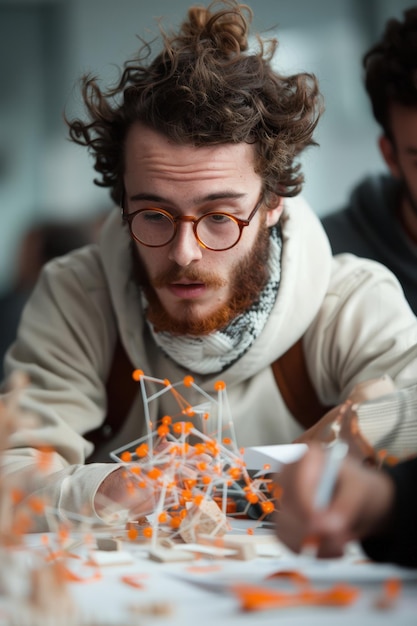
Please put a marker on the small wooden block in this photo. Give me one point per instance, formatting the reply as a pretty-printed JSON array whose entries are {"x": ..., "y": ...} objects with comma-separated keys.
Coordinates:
[
  {"x": 108, "y": 544},
  {"x": 169, "y": 555},
  {"x": 243, "y": 551},
  {"x": 105, "y": 557}
]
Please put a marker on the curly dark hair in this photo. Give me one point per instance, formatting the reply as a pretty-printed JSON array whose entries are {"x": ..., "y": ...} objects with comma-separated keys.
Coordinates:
[
  {"x": 204, "y": 87},
  {"x": 391, "y": 68}
]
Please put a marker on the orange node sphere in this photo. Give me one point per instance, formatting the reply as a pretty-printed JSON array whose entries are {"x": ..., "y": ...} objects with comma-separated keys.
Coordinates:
[
  {"x": 235, "y": 473},
  {"x": 187, "y": 495},
  {"x": 147, "y": 532},
  {"x": 175, "y": 521},
  {"x": 202, "y": 466},
  {"x": 206, "y": 416},
  {"x": 142, "y": 484},
  {"x": 267, "y": 507},
  {"x": 137, "y": 375},
  {"x": 136, "y": 469},
  {"x": 132, "y": 533},
  {"x": 227, "y": 441},
  {"x": 212, "y": 448},
  {"x": 178, "y": 428},
  {"x": 166, "y": 420},
  {"x": 17, "y": 495},
  {"x": 252, "y": 498},
  {"x": 188, "y": 381},
  {"x": 37, "y": 505},
  {"x": 183, "y": 513},
  {"x": 267, "y": 467},
  {"x": 198, "y": 499},
  {"x": 142, "y": 450},
  {"x": 249, "y": 531},
  {"x": 189, "y": 483},
  {"x": 154, "y": 473},
  {"x": 126, "y": 456},
  {"x": 199, "y": 448},
  {"x": 189, "y": 411},
  {"x": 166, "y": 382},
  {"x": 63, "y": 533},
  {"x": 163, "y": 430},
  {"x": 206, "y": 480},
  {"x": 162, "y": 517},
  {"x": 219, "y": 385}
]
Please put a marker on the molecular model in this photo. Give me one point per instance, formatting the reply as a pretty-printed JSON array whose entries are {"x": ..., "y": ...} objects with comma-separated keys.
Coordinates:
[{"x": 198, "y": 477}]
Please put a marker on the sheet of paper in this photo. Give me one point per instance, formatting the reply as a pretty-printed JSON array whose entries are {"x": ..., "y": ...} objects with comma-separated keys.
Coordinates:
[{"x": 257, "y": 457}]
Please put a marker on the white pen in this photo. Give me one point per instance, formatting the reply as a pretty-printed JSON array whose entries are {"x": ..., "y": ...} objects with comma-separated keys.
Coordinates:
[{"x": 335, "y": 454}]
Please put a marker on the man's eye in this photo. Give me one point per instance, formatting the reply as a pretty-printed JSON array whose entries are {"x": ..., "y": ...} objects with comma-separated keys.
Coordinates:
[
  {"x": 218, "y": 218},
  {"x": 154, "y": 216}
]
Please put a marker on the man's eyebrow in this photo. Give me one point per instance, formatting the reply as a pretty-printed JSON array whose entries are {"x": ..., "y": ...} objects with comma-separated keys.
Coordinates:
[
  {"x": 412, "y": 150},
  {"x": 211, "y": 197}
]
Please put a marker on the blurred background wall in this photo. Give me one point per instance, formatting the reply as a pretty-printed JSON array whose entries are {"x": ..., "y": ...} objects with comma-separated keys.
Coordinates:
[{"x": 45, "y": 45}]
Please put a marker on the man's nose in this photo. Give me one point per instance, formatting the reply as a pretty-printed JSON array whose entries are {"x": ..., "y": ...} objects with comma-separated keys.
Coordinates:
[{"x": 184, "y": 248}]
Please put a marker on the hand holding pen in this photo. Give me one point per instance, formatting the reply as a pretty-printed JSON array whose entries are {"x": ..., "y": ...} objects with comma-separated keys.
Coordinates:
[{"x": 331, "y": 498}]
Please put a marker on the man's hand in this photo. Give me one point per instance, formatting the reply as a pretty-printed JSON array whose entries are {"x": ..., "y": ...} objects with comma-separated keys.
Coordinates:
[
  {"x": 117, "y": 497},
  {"x": 342, "y": 421},
  {"x": 360, "y": 506},
  {"x": 131, "y": 492}
]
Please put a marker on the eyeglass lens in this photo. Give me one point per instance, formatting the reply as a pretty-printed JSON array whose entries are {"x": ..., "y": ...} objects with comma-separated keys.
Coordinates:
[{"x": 154, "y": 228}]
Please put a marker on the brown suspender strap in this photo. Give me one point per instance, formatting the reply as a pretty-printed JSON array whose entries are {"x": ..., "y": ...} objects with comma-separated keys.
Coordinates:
[
  {"x": 289, "y": 370},
  {"x": 293, "y": 380},
  {"x": 121, "y": 391}
]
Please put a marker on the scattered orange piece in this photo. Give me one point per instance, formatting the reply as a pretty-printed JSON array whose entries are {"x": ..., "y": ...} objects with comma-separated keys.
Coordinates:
[
  {"x": 258, "y": 598},
  {"x": 133, "y": 580},
  {"x": 390, "y": 593},
  {"x": 293, "y": 575}
]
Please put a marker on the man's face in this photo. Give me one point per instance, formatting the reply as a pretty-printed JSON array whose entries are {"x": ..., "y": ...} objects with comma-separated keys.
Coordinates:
[
  {"x": 401, "y": 153},
  {"x": 190, "y": 288}
]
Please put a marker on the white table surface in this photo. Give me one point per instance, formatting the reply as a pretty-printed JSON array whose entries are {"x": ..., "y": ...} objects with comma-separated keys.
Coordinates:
[{"x": 196, "y": 592}]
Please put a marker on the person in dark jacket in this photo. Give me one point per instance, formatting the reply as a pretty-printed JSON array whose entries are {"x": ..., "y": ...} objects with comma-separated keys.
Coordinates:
[{"x": 380, "y": 219}]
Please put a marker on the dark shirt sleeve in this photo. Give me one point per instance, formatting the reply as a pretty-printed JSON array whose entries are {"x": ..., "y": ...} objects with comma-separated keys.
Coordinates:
[{"x": 398, "y": 544}]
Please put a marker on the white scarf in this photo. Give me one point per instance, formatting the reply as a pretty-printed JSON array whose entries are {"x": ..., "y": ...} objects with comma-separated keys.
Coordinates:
[{"x": 212, "y": 353}]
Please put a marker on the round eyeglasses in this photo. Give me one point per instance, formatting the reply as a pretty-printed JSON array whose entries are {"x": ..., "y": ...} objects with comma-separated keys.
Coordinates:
[{"x": 215, "y": 230}]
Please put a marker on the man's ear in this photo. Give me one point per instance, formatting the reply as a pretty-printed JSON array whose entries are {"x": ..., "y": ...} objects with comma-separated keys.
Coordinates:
[
  {"x": 390, "y": 156},
  {"x": 274, "y": 213}
]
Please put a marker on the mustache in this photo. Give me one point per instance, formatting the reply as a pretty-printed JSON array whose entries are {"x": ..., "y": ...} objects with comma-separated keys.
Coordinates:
[{"x": 175, "y": 274}]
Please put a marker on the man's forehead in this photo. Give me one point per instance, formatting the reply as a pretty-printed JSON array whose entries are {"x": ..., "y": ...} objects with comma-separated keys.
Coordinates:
[{"x": 153, "y": 155}]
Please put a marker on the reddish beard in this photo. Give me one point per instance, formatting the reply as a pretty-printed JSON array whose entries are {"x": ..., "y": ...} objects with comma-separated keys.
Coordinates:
[{"x": 248, "y": 277}]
